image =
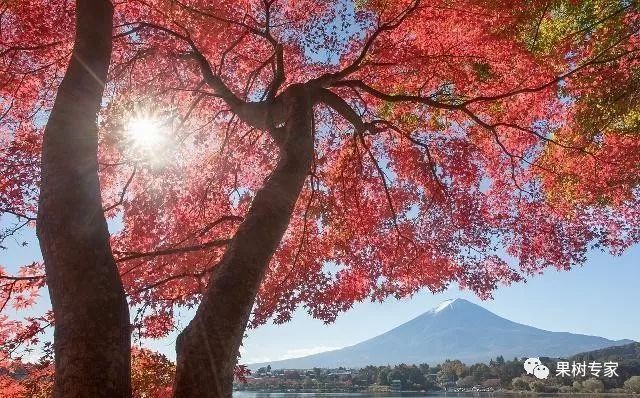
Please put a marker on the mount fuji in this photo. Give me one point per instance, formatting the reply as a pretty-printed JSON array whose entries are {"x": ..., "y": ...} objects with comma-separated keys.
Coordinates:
[{"x": 455, "y": 329}]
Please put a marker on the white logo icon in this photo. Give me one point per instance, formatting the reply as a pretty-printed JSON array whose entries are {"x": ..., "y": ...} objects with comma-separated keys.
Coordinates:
[
  {"x": 535, "y": 367},
  {"x": 530, "y": 364},
  {"x": 541, "y": 372}
]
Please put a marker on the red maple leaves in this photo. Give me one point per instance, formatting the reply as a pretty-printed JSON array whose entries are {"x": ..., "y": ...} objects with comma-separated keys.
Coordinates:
[{"x": 469, "y": 142}]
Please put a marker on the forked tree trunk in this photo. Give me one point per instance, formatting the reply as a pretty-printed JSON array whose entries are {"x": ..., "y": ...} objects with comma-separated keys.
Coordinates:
[
  {"x": 207, "y": 349},
  {"x": 92, "y": 335}
]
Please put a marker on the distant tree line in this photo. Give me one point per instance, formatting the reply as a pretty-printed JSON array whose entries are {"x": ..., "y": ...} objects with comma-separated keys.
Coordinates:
[{"x": 454, "y": 374}]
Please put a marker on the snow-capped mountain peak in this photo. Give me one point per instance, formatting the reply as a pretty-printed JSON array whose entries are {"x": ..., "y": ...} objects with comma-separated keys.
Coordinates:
[
  {"x": 442, "y": 306},
  {"x": 455, "y": 329}
]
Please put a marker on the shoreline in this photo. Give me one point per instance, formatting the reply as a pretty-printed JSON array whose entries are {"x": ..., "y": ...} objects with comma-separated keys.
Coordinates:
[{"x": 435, "y": 393}]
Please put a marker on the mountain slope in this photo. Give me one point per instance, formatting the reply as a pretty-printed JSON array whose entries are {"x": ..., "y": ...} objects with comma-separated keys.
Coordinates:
[
  {"x": 627, "y": 352},
  {"x": 456, "y": 329}
]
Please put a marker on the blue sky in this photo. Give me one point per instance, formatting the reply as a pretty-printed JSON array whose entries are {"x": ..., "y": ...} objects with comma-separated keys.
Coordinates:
[{"x": 599, "y": 298}]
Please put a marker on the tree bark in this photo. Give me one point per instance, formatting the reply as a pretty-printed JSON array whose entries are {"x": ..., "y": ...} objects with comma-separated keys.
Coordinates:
[
  {"x": 207, "y": 349},
  {"x": 92, "y": 333}
]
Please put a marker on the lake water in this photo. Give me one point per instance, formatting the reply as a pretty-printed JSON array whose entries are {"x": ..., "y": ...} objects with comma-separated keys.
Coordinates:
[{"x": 251, "y": 394}]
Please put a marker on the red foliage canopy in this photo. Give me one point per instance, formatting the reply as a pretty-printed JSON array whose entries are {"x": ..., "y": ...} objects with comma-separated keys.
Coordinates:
[{"x": 467, "y": 141}]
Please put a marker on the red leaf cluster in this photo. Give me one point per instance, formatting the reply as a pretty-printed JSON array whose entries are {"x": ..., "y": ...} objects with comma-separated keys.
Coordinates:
[{"x": 473, "y": 144}]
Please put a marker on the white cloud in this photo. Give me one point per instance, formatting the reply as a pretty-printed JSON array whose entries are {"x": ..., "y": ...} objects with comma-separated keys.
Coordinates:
[
  {"x": 303, "y": 352},
  {"x": 250, "y": 360},
  {"x": 288, "y": 354}
]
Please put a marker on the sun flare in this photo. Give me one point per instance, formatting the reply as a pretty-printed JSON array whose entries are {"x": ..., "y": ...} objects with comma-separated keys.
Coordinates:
[{"x": 145, "y": 132}]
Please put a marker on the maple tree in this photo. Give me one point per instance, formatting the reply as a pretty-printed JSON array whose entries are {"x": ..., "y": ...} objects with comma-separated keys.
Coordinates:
[
  {"x": 151, "y": 377},
  {"x": 263, "y": 155}
]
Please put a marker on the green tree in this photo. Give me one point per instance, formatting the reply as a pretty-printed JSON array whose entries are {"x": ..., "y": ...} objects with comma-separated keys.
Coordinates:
[
  {"x": 480, "y": 371},
  {"x": 383, "y": 375},
  {"x": 509, "y": 371},
  {"x": 537, "y": 386},
  {"x": 369, "y": 374},
  {"x": 577, "y": 385},
  {"x": 520, "y": 384},
  {"x": 593, "y": 385},
  {"x": 415, "y": 377},
  {"x": 633, "y": 384}
]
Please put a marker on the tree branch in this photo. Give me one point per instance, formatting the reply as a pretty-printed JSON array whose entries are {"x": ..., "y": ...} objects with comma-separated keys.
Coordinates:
[
  {"x": 127, "y": 256},
  {"x": 329, "y": 79}
]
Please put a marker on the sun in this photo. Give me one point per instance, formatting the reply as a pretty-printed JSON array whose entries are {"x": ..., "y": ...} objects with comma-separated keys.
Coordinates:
[{"x": 145, "y": 132}]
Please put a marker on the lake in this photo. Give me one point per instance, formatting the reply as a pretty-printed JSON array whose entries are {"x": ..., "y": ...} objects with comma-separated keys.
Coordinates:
[{"x": 253, "y": 394}]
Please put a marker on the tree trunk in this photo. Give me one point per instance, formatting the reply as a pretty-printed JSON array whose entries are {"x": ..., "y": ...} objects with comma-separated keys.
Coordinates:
[
  {"x": 207, "y": 349},
  {"x": 92, "y": 333}
]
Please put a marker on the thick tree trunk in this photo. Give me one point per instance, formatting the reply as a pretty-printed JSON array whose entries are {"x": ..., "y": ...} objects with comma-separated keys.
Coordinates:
[
  {"x": 207, "y": 349},
  {"x": 92, "y": 335}
]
